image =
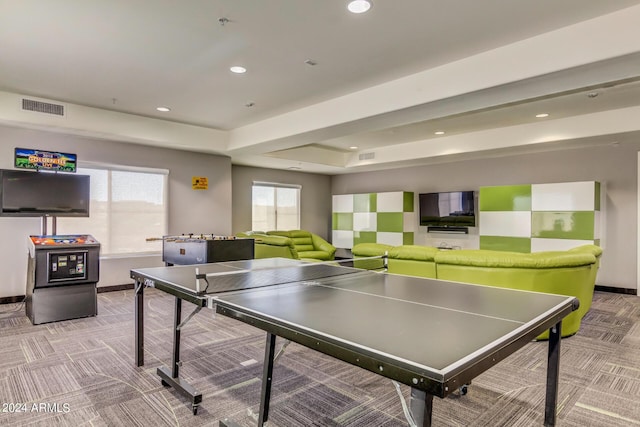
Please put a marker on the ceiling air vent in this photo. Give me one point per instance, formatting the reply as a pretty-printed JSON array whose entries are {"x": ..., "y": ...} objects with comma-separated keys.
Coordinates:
[
  {"x": 42, "y": 107},
  {"x": 366, "y": 156}
]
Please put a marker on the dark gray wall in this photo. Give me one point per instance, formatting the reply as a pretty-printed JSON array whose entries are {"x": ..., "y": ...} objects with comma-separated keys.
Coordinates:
[
  {"x": 614, "y": 166},
  {"x": 315, "y": 203}
]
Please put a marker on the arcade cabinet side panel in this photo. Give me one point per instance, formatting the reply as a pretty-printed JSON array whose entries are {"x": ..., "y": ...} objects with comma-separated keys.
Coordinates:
[
  {"x": 64, "y": 303},
  {"x": 31, "y": 283}
]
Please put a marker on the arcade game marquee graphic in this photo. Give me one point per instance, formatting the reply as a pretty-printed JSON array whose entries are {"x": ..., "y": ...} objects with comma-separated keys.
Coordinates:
[{"x": 27, "y": 158}]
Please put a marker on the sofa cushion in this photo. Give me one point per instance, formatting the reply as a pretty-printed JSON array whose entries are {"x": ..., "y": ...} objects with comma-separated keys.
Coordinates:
[
  {"x": 500, "y": 259},
  {"x": 370, "y": 249},
  {"x": 301, "y": 239},
  {"x": 413, "y": 252}
]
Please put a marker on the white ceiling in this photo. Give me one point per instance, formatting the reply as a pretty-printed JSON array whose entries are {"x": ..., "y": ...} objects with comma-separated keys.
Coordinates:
[{"x": 384, "y": 81}]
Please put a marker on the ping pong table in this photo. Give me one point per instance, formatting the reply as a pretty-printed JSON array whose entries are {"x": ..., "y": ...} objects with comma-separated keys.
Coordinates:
[{"x": 431, "y": 335}]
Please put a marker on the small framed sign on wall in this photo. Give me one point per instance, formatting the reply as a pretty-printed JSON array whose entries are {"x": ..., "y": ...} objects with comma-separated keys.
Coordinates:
[
  {"x": 199, "y": 183},
  {"x": 28, "y": 158}
]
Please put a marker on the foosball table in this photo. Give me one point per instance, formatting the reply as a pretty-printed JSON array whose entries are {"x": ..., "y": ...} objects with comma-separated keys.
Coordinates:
[{"x": 188, "y": 249}]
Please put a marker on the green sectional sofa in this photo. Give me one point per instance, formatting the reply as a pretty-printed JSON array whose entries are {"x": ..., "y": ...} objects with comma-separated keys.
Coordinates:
[
  {"x": 296, "y": 244},
  {"x": 571, "y": 272}
]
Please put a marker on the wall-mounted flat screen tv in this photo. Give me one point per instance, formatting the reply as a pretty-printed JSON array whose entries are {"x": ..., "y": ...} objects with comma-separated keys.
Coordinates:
[
  {"x": 27, "y": 193},
  {"x": 452, "y": 209}
]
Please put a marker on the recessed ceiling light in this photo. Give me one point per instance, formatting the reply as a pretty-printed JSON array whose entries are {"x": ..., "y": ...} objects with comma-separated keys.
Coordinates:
[
  {"x": 238, "y": 69},
  {"x": 439, "y": 132},
  {"x": 541, "y": 115},
  {"x": 359, "y": 6},
  {"x": 353, "y": 147},
  {"x": 163, "y": 109}
]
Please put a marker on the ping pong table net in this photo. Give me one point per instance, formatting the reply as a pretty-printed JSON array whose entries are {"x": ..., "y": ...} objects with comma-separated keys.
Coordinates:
[{"x": 263, "y": 277}]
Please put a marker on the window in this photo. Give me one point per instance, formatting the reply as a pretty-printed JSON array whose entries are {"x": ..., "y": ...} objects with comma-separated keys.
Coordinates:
[
  {"x": 275, "y": 206},
  {"x": 127, "y": 207}
]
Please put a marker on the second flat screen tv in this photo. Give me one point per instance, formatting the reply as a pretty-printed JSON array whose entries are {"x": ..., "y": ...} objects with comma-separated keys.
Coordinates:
[
  {"x": 26, "y": 193},
  {"x": 452, "y": 209}
]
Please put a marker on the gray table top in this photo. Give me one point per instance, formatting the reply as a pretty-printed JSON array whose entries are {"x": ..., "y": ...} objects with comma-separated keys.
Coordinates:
[
  {"x": 433, "y": 328},
  {"x": 435, "y": 325}
]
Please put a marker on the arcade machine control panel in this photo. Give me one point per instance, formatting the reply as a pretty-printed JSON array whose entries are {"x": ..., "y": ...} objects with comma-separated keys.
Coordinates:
[{"x": 62, "y": 259}]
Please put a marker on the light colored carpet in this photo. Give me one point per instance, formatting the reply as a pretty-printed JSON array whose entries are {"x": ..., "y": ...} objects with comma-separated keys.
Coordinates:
[{"x": 82, "y": 373}]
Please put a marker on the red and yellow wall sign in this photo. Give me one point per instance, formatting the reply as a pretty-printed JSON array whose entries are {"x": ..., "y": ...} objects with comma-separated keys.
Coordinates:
[{"x": 199, "y": 183}]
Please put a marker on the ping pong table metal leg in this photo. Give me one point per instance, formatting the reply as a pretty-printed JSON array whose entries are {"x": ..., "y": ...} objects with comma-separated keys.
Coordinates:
[
  {"x": 177, "y": 319},
  {"x": 421, "y": 407},
  {"x": 553, "y": 373},
  {"x": 172, "y": 379},
  {"x": 139, "y": 320},
  {"x": 267, "y": 378}
]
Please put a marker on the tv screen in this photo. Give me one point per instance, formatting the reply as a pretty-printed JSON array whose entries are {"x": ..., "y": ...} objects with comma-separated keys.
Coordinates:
[
  {"x": 26, "y": 193},
  {"x": 452, "y": 209}
]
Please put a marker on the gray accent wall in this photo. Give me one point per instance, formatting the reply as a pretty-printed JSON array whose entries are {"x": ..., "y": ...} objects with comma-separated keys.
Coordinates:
[
  {"x": 315, "y": 203},
  {"x": 614, "y": 166},
  {"x": 190, "y": 211}
]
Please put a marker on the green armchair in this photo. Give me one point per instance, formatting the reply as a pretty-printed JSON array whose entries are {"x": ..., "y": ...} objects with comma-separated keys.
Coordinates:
[
  {"x": 296, "y": 244},
  {"x": 308, "y": 245}
]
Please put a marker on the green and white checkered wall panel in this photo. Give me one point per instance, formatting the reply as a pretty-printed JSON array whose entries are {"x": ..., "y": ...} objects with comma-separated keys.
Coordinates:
[
  {"x": 387, "y": 217},
  {"x": 539, "y": 217}
]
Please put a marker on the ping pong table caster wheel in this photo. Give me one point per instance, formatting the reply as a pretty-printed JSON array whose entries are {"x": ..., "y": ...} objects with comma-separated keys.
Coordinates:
[
  {"x": 464, "y": 389},
  {"x": 194, "y": 408},
  {"x": 164, "y": 383}
]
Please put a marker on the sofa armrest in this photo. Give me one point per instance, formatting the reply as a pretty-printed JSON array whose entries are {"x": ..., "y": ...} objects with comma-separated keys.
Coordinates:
[
  {"x": 268, "y": 246},
  {"x": 322, "y": 245},
  {"x": 590, "y": 249},
  {"x": 273, "y": 240}
]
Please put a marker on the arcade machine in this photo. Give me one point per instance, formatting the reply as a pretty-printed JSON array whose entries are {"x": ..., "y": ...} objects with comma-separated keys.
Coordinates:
[
  {"x": 62, "y": 271},
  {"x": 62, "y": 276}
]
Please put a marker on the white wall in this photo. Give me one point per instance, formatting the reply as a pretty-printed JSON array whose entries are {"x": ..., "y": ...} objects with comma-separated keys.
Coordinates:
[
  {"x": 190, "y": 211},
  {"x": 614, "y": 166}
]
